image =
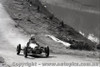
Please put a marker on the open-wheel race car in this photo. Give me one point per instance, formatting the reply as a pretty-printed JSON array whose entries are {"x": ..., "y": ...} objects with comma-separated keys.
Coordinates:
[
  {"x": 29, "y": 51},
  {"x": 32, "y": 49}
]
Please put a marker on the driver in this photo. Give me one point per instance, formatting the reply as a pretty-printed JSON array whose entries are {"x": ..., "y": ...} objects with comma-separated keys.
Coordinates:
[{"x": 32, "y": 42}]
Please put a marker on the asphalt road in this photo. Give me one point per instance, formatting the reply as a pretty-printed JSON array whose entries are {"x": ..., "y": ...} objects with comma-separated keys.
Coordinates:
[{"x": 10, "y": 37}]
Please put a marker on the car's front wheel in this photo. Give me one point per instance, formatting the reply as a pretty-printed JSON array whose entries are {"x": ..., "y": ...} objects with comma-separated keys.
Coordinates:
[
  {"x": 25, "y": 52},
  {"x": 18, "y": 49},
  {"x": 47, "y": 51}
]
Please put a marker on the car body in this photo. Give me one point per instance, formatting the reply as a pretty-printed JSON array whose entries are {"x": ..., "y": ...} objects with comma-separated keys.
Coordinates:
[{"x": 30, "y": 51}]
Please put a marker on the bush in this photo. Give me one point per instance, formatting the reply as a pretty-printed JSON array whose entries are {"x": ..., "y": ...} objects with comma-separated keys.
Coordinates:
[
  {"x": 98, "y": 46},
  {"x": 51, "y": 16},
  {"x": 82, "y": 46}
]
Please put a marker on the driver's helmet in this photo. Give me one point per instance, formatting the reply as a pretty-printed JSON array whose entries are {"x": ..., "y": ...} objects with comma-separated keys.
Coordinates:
[{"x": 32, "y": 40}]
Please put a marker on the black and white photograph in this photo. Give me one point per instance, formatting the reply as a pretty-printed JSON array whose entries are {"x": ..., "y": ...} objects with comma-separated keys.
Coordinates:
[{"x": 49, "y": 33}]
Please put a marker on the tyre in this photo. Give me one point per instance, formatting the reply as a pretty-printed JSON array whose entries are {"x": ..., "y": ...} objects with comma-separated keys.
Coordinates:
[
  {"x": 18, "y": 49},
  {"x": 25, "y": 52},
  {"x": 47, "y": 51}
]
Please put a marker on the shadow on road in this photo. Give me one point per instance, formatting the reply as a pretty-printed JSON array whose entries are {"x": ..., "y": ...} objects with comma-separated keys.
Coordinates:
[{"x": 37, "y": 56}]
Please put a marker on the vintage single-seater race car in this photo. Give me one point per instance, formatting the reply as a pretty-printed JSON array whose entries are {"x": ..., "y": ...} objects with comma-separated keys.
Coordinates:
[{"x": 33, "y": 50}]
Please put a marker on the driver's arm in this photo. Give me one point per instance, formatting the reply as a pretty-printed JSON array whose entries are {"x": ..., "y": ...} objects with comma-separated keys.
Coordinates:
[
  {"x": 37, "y": 44},
  {"x": 28, "y": 43}
]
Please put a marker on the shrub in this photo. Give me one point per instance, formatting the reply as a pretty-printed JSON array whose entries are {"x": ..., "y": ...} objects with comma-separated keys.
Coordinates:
[
  {"x": 98, "y": 46},
  {"x": 82, "y": 46},
  {"x": 51, "y": 16}
]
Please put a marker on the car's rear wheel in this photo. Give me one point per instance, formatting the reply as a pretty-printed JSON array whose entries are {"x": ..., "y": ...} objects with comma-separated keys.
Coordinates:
[
  {"x": 25, "y": 52},
  {"x": 18, "y": 49},
  {"x": 47, "y": 51}
]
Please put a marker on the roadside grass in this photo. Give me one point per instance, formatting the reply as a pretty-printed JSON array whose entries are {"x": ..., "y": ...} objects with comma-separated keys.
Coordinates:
[{"x": 59, "y": 48}]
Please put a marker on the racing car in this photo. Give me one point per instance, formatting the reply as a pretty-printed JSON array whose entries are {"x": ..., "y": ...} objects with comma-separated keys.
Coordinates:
[{"x": 30, "y": 51}]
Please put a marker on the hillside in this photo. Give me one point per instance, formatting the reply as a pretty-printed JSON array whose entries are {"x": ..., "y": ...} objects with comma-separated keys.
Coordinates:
[
  {"x": 82, "y": 15},
  {"x": 41, "y": 21}
]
